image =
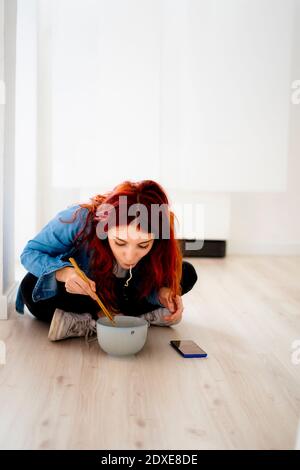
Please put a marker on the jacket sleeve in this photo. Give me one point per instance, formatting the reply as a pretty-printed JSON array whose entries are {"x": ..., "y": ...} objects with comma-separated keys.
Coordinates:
[
  {"x": 43, "y": 255},
  {"x": 156, "y": 317}
]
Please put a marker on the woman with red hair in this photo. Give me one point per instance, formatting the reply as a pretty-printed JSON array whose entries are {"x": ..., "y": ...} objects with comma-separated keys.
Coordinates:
[{"x": 125, "y": 243}]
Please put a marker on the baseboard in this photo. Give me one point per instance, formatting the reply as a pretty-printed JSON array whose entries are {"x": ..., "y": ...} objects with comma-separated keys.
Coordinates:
[
  {"x": 221, "y": 248},
  {"x": 7, "y": 301},
  {"x": 248, "y": 248},
  {"x": 3, "y": 308},
  {"x": 203, "y": 248}
]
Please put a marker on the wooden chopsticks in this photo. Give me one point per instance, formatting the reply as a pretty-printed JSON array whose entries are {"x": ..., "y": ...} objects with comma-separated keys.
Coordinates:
[{"x": 85, "y": 278}]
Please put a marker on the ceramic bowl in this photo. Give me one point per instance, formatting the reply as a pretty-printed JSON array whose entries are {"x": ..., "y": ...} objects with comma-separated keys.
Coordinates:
[{"x": 127, "y": 337}]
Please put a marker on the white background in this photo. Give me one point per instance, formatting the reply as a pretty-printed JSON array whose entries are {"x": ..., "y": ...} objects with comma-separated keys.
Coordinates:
[{"x": 196, "y": 95}]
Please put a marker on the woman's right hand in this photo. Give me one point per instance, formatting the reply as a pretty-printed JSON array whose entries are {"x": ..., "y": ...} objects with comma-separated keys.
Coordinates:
[{"x": 74, "y": 284}]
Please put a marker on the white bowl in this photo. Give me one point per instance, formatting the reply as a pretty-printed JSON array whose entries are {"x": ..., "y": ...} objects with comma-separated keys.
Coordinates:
[{"x": 127, "y": 337}]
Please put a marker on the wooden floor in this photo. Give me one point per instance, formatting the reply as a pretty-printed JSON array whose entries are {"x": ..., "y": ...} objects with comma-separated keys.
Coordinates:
[{"x": 244, "y": 311}]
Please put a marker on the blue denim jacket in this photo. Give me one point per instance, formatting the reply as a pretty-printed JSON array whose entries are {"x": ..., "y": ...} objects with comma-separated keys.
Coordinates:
[{"x": 50, "y": 250}]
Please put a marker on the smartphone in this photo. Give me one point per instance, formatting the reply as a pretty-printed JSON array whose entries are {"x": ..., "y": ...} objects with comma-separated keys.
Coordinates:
[{"x": 188, "y": 348}]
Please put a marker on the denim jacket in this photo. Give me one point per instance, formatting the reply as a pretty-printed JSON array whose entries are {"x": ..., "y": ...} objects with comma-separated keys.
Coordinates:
[{"x": 50, "y": 250}]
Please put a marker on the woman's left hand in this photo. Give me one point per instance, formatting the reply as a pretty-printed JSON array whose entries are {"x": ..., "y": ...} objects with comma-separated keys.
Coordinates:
[{"x": 173, "y": 304}]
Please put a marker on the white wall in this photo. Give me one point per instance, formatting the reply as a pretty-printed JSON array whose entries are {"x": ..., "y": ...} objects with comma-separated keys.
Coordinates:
[
  {"x": 2, "y": 121},
  {"x": 256, "y": 222},
  {"x": 26, "y": 124},
  {"x": 8, "y": 10},
  {"x": 270, "y": 222}
]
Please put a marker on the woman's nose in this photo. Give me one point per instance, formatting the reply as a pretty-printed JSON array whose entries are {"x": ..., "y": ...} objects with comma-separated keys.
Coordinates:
[{"x": 129, "y": 256}]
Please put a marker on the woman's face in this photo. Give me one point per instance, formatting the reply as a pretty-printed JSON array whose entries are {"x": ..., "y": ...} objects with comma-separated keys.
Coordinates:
[{"x": 129, "y": 244}]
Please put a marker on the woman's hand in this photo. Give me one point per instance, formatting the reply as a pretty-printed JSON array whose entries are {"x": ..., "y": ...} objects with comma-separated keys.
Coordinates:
[
  {"x": 173, "y": 304},
  {"x": 74, "y": 284}
]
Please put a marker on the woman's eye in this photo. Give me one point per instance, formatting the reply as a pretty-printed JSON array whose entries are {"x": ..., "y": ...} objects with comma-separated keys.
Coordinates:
[{"x": 123, "y": 244}]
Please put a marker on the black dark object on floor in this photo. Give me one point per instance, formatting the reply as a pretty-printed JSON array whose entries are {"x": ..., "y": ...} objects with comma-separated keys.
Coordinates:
[{"x": 200, "y": 249}]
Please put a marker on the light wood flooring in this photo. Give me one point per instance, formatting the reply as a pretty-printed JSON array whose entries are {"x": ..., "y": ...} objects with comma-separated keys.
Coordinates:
[{"x": 244, "y": 311}]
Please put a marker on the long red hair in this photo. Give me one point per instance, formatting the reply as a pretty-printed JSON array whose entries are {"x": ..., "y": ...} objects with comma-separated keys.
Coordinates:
[{"x": 161, "y": 267}]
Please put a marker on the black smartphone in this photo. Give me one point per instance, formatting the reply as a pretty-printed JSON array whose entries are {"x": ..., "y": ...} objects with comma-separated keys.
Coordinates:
[{"x": 188, "y": 348}]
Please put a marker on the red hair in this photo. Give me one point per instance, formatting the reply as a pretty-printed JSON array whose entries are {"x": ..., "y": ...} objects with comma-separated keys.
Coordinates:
[{"x": 161, "y": 267}]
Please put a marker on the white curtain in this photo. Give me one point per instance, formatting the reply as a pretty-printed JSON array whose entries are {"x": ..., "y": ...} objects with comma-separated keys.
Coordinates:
[
  {"x": 189, "y": 92},
  {"x": 192, "y": 93}
]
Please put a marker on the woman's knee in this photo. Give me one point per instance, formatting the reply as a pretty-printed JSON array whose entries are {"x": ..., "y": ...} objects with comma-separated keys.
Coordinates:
[
  {"x": 27, "y": 285},
  {"x": 42, "y": 310},
  {"x": 189, "y": 277}
]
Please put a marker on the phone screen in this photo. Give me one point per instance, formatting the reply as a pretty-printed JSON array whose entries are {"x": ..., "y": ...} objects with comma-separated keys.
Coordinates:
[{"x": 188, "y": 348}]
